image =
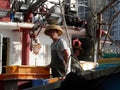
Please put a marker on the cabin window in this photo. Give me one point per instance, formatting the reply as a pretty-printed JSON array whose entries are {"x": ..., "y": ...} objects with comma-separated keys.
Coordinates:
[
  {"x": 4, "y": 53},
  {"x": 86, "y": 45}
]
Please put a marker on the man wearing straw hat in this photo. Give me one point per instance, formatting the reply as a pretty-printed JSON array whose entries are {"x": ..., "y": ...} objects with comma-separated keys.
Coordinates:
[{"x": 59, "y": 51}]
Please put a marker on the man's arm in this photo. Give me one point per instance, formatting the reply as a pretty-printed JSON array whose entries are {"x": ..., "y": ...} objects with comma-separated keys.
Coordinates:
[{"x": 66, "y": 56}]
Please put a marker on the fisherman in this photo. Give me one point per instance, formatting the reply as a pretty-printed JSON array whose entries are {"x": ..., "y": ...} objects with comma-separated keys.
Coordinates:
[{"x": 59, "y": 51}]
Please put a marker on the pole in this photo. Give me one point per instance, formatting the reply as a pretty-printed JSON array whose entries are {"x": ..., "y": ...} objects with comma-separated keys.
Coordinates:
[
  {"x": 26, "y": 41},
  {"x": 25, "y": 46},
  {"x": 99, "y": 33},
  {"x": 1, "y": 43}
]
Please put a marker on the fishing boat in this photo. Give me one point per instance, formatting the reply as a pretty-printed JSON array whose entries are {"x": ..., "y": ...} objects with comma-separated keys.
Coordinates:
[{"x": 25, "y": 49}]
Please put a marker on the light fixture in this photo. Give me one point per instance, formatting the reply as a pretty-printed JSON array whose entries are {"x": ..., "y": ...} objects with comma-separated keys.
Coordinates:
[
  {"x": 19, "y": 16},
  {"x": 55, "y": 15},
  {"x": 3, "y": 13},
  {"x": 24, "y": 7}
]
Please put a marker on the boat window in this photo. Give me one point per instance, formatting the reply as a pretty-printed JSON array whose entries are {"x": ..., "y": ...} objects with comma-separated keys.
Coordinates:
[{"x": 4, "y": 53}]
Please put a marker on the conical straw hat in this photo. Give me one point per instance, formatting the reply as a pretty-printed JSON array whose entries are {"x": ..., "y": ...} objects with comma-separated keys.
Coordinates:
[{"x": 53, "y": 27}]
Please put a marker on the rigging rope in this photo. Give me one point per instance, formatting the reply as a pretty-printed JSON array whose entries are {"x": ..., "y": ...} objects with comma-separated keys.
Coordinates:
[
  {"x": 64, "y": 22},
  {"x": 107, "y": 35}
]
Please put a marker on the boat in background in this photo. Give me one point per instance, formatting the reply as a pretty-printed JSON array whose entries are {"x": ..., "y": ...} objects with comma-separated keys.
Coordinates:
[{"x": 24, "y": 62}]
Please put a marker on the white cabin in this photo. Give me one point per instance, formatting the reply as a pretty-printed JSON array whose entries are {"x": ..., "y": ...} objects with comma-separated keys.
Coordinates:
[{"x": 11, "y": 44}]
